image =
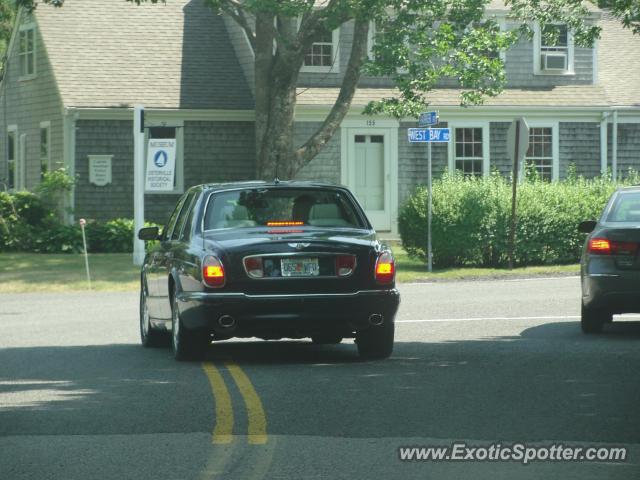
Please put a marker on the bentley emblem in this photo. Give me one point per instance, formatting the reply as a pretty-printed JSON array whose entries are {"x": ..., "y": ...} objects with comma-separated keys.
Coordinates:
[{"x": 299, "y": 246}]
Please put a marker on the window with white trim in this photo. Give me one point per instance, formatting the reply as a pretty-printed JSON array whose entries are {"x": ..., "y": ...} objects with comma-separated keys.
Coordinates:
[
  {"x": 27, "y": 50},
  {"x": 45, "y": 148},
  {"x": 468, "y": 154},
  {"x": 540, "y": 152},
  {"x": 12, "y": 135},
  {"x": 322, "y": 55},
  {"x": 554, "y": 50}
]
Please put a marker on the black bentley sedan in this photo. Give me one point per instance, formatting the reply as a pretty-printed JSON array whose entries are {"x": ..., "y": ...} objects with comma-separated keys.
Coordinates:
[
  {"x": 610, "y": 265},
  {"x": 268, "y": 260}
]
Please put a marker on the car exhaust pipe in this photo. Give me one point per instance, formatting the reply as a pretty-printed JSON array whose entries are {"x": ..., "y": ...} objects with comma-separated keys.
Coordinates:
[
  {"x": 227, "y": 321},
  {"x": 376, "y": 319}
]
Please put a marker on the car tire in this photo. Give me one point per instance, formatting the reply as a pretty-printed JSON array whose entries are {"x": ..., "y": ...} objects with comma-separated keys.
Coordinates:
[
  {"x": 593, "y": 319},
  {"x": 186, "y": 344},
  {"x": 376, "y": 342},
  {"x": 150, "y": 337},
  {"x": 326, "y": 339}
]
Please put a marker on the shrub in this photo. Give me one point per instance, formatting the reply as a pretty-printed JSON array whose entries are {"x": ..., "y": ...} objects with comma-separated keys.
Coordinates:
[
  {"x": 471, "y": 219},
  {"x": 114, "y": 236}
]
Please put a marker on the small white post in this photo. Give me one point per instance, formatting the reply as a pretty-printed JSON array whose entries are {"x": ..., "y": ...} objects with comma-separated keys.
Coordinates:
[
  {"x": 83, "y": 222},
  {"x": 138, "y": 183}
]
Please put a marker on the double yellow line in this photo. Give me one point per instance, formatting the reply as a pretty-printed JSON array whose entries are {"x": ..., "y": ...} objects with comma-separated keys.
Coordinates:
[{"x": 257, "y": 420}]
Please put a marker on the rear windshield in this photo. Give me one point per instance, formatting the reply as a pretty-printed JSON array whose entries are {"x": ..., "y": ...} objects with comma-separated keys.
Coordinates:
[
  {"x": 626, "y": 208},
  {"x": 281, "y": 207}
]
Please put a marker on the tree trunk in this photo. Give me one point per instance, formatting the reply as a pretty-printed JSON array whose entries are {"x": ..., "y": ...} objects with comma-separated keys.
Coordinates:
[
  {"x": 276, "y": 150},
  {"x": 263, "y": 65},
  {"x": 276, "y": 82}
]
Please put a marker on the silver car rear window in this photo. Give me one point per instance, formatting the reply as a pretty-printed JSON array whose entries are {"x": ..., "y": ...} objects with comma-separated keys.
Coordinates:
[{"x": 625, "y": 208}]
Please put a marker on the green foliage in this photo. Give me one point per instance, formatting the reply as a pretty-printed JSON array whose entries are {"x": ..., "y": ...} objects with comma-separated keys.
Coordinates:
[
  {"x": 114, "y": 236},
  {"x": 28, "y": 223},
  {"x": 627, "y": 11},
  {"x": 471, "y": 218},
  {"x": 54, "y": 184}
]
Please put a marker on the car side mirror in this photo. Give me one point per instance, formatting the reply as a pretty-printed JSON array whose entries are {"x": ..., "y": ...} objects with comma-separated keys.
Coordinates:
[
  {"x": 149, "y": 234},
  {"x": 587, "y": 227}
]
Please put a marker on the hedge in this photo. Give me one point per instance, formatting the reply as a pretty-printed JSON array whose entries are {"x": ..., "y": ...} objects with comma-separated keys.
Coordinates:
[
  {"x": 30, "y": 224},
  {"x": 471, "y": 218}
]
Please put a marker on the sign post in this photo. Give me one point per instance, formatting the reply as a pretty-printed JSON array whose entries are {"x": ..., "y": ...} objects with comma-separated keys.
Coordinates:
[
  {"x": 138, "y": 183},
  {"x": 429, "y": 135},
  {"x": 517, "y": 146}
]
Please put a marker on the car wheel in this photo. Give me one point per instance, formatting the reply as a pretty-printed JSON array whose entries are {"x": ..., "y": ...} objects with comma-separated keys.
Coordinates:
[
  {"x": 186, "y": 344},
  {"x": 326, "y": 339},
  {"x": 149, "y": 337},
  {"x": 376, "y": 342},
  {"x": 593, "y": 319}
]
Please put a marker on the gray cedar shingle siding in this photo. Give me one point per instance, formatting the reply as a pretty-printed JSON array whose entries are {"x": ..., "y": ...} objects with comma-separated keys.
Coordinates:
[
  {"x": 580, "y": 144},
  {"x": 519, "y": 67},
  {"x": 628, "y": 147},
  {"x": 499, "y": 157},
  {"x": 326, "y": 165},
  {"x": 26, "y": 104},
  {"x": 213, "y": 152}
]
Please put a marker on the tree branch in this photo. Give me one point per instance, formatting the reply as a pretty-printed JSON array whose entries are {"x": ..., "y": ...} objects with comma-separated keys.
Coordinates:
[
  {"x": 235, "y": 11},
  {"x": 310, "y": 149}
]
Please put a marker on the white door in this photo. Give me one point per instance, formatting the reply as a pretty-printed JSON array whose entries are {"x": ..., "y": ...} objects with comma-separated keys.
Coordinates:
[{"x": 369, "y": 176}]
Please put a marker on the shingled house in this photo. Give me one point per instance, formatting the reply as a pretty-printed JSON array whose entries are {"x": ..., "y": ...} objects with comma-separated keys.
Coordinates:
[{"x": 73, "y": 75}]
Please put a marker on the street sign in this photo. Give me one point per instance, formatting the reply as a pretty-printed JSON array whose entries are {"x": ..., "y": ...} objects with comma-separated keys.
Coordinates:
[
  {"x": 429, "y": 135},
  {"x": 428, "y": 118},
  {"x": 523, "y": 139}
]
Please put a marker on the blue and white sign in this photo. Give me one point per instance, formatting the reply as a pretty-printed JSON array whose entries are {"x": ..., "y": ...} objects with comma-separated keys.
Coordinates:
[
  {"x": 161, "y": 165},
  {"x": 160, "y": 159},
  {"x": 428, "y": 118},
  {"x": 429, "y": 135}
]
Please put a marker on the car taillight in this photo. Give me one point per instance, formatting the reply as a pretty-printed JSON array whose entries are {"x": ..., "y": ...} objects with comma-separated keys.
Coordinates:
[
  {"x": 345, "y": 265},
  {"x": 600, "y": 246},
  {"x": 385, "y": 268},
  {"x": 604, "y": 246},
  {"x": 253, "y": 267},
  {"x": 213, "y": 272}
]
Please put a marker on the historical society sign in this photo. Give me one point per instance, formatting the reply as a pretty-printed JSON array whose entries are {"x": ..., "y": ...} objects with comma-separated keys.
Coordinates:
[{"x": 161, "y": 165}]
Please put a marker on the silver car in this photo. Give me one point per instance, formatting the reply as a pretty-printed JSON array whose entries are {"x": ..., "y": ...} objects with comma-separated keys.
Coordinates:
[{"x": 610, "y": 264}]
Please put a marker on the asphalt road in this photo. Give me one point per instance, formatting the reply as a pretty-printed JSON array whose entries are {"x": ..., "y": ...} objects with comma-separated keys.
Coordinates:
[{"x": 480, "y": 362}]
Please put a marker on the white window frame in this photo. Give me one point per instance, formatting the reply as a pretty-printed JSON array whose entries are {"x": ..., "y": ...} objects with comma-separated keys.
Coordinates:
[
  {"x": 179, "y": 126},
  {"x": 13, "y": 129},
  {"x": 555, "y": 147},
  {"x": 21, "y": 165},
  {"x": 26, "y": 28},
  {"x": 335, "y": 51},
  {"x": 371, "y": 39},
  {"x": 486, "y": 145},
  {"x": 46, "y": 125},
  {"x": 502, "y": 23},
  {"x": 537, "y": 53}
]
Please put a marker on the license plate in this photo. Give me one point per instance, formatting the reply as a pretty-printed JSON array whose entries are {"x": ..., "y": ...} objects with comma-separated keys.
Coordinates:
[{"x": 300, "y": 267}]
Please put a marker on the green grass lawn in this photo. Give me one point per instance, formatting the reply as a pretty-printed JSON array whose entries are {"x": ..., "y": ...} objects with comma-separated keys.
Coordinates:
[
  {"x": 29, "y": 272},
  {"x": 412, "y": 270}
]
